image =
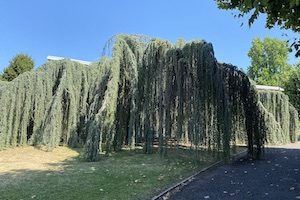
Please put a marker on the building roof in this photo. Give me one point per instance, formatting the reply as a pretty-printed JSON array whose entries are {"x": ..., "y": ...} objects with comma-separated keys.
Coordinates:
[
  {"x": 266, "y": 87},
  {"x": 61, "y": 58}
]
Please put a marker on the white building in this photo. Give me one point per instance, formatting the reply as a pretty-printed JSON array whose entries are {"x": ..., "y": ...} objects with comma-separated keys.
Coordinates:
[{"x": 61, "y": 58}]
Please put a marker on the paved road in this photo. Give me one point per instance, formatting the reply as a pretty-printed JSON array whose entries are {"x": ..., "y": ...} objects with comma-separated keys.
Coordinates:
[{"x": 277, "y": 177}]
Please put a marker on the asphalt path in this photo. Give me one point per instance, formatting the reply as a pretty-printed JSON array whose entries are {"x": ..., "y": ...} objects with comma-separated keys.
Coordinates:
[{"x": 277, "y": 177}]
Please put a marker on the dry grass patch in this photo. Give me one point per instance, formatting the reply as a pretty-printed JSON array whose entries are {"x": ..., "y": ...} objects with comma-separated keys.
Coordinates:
[
  {"x": 27, "y": 173},
  {"x": 14, "y": 161},
  {"x": 34, "y": 159}
]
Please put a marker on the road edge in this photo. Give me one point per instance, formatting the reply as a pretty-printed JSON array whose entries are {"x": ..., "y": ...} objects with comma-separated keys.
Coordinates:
[{"x": 187, "y": 180}]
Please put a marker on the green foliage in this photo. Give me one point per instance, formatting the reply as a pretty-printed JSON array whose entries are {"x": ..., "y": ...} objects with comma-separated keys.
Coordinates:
[
  {"x": 269, "y": 61},
  {"x": 283, "y": 13},
  {"x": 92, "y": 143},
  {"x": 292, "y": 87},
  {"x": 18, "y": 65},
  {"x": 282, "y": 113},
  {"x": 148, "y": 93}
]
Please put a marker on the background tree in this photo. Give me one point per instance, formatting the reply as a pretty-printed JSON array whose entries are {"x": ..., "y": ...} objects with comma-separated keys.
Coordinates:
[
  {"x": 292, "y": 87},
  {"x": 269, "y": 61},
  {"x": 284, "y": 13},
  {"x": 18, "y": 65}
]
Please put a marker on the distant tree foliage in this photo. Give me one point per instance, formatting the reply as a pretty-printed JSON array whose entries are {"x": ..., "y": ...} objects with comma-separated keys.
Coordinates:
[
  {"x": 292, "y": 87},
  {"x": 19, "y": 64},
  {"x": 284, "y": 13},
  {"x": 269, "y": 61}
]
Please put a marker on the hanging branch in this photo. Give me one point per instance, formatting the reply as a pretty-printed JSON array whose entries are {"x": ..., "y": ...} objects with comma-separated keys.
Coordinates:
[{"x": 144, "y": 92}]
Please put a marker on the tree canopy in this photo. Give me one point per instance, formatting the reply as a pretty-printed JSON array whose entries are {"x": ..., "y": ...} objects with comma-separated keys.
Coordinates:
[
  {"x": 284, "y": 13},
  {"x": 149, "y": 92},
  {"x": 269, "y": 61},
  {"x": 292, "y": 87},
  {"x": 18, "y": 65}
]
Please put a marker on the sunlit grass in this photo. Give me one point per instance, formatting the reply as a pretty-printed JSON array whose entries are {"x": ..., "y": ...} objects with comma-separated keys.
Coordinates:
[{"x": 123, "y": 175}]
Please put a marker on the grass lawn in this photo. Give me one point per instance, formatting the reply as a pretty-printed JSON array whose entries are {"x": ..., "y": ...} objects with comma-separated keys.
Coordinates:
[{"x": 29, "y": 173}]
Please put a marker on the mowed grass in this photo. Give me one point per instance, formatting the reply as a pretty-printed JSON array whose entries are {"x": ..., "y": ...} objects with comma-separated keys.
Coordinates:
[{"x": 29, "y": 173}]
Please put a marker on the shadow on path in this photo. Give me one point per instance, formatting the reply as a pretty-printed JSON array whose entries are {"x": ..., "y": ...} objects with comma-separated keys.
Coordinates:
[{"x": 275, "y": 177}]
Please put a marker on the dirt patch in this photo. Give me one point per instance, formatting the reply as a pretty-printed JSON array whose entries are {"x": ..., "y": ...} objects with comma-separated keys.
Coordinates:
[
  {"x": 16, "y": 160},
  {"x": 295, "y": 145}
]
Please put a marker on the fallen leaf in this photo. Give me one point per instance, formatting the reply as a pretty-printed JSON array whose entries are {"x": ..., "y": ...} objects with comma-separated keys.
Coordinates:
[
  {"x": 165, "y": 198},
  {"x": 292, "y": 188},
  {"x": 206, "y": 197},
  {"x": 161, "y": 177},
  {"x": 137, "y": 181},
  {"x": 249, "y": 193},
  {"x": 297, "y": 197}
]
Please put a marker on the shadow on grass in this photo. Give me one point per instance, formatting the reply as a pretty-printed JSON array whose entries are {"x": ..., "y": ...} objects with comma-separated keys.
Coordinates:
[{"x": 123, "y": 175}]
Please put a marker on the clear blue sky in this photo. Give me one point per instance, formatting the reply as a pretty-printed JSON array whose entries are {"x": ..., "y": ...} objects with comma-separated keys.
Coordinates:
[{"x": 79, "y": 28}]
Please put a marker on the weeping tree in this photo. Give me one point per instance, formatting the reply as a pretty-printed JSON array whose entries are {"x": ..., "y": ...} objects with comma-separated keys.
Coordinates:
[
  {"x": 143, "y": 92},
  {"x": 283, "y": 114}
]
